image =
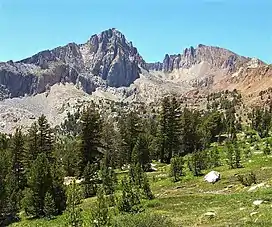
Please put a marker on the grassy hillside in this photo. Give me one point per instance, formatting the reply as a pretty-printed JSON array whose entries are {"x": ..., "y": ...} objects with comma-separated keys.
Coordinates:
[{"x": 194, "y": 202}]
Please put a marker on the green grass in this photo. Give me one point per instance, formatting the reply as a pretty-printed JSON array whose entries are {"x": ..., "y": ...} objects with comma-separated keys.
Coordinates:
[{"x": 186, "y": 202}]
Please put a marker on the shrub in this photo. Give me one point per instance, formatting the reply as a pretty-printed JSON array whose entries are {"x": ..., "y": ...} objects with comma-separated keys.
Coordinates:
[{"x": 247, "y": 179}]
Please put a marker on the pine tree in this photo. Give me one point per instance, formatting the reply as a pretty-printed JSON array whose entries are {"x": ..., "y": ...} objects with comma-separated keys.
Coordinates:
[
  {"x": 57, "y": 188},
  {"x": 39, "y": 181},
  {"x": 68, "y": 154},
  {"x": 100, "y": 213},
  {"x": 45, "y": 138},
  {"x": 90, "y": 180},
  {"x": 129, "y": 201},
  {"x": 169, "y": 129},
  {"x": 191, "y": 132},
  {"x": 111, "y": 143},
  {"x": 73, "y": 211},
  {"x": 29, "y": 202},
  {"x": 130, "y": 128},
  {"x": 176, "y": 168},
  {"x": 13, "y": 193},
  {"x": 214, "y": 157},
  {"x": 139, "y": 180},
  {"x": 163, "y": 129},
  {"x": 146, "y": 188},
  {"x": 32, "y": 148},
  {"x": 90, "y": 136},
  {"x": 136, "y": 175},
  {"x": 18, "y": 153},
  {"x": 195, "y": 163},
  {"x": 49, "y": 208},
  {"x": 175, "y": 129},
  {"x": 230, "y": 155},
  {"x": 108, "y": 178},
  {"x": 15, "y": 178},
  {"x": 4, "y": 169},
  {"x": 141, "y": 153},
  {"x": 231, "y": 123},
  {"x": 237, "y": 153}
]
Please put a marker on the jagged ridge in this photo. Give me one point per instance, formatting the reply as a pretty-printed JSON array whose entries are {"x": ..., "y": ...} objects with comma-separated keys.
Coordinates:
[{"x": 215, "y": 56}]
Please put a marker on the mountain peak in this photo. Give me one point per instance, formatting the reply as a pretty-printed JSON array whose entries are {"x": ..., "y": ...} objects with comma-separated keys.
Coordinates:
[{"x": 214, "y": 56}]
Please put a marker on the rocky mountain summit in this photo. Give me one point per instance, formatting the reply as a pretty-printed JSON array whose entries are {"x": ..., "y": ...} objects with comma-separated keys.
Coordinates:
[
  {"x": 108, "y": 67},
  {"x": 107, "y": 59}
]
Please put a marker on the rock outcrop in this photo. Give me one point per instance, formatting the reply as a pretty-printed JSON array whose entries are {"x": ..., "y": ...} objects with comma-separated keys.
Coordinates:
[
  {"x": 215, "y": 56},
  {"x": 107, "y": 59}
]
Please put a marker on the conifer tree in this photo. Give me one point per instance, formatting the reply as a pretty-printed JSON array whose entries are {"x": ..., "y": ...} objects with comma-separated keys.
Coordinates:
[
  {"x": 45, "y": 138},
  {"x": 49, "y": 208},
  {"x": 32, "y": 148},
  {"x": 129, "y": 201},
  {"x": 90, "y": 180},
  {"x": 191, "y": 132},
  {"x": 214, "y": 157},
  {"x": 176, "y": 168},
  {"x": 100, "y": 213},
  {"x": 111, "y": 143},
  {"x": 146, "y": 188},
  {"x": 90, "y": 136},
  {"x": 261, "y": 121},
  {"x": 169, "y": 129},
  {"x": 237, "y": 153},
  {"x": 57, "y": 188},
  {"x": 13, "y": 194},
  {"x": 29, "y": 203},
  {"x": 230, "y": 155},
  {"x": 130, "y": 128},
  {"x": 196, "y": 162},
  {"x": 138, "y": 178},
  {"x": 73, "y": 211},
  {"x": 141, "y": 153},
  {"x": 18, "y": 153},
  {"x": 39, "y": 182},
  {"x": 108, "y": 178},
  {"x": 15, "y": 178},
  {"x": 231, "y": 123},
  {"x": 136, "y": 175}
]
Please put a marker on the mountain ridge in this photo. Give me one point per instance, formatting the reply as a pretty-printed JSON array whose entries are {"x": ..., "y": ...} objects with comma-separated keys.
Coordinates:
[
  {"x": 108, "y": 68},
  {"x": 106, "y": 59}
]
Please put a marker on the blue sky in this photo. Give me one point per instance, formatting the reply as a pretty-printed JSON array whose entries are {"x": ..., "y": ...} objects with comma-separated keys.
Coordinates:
[{"x": 155, "y": 27}]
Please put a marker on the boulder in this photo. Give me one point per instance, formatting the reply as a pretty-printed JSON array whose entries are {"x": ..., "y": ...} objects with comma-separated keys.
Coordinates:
[
  {"x": 257, "y": 202},
  {"x": 210, "y": 214},
  {"x": 255, "y": 187},
  {"x": 212, "y": 177}
]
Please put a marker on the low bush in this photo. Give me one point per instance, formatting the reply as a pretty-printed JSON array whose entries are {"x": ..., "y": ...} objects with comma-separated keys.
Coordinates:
[{"x": 247, "y": 179}]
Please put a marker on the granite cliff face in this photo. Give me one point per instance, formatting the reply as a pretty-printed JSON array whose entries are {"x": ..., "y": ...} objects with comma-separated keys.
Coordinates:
[{"x": 107, "y": 59}]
